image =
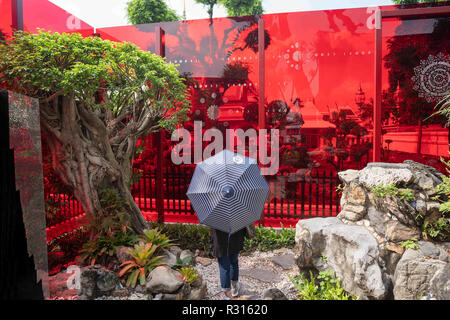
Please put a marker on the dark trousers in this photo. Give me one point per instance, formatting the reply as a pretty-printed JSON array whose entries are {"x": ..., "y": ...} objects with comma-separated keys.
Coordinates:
[{"x": 229, "y": 270}]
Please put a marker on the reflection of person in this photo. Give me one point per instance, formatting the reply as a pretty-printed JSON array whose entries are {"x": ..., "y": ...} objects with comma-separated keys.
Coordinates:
[{"x": 226, "y": 249}]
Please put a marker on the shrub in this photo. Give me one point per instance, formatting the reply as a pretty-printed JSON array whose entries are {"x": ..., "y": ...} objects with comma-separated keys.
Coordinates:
[
  {"x": 325, "y": 287},
  {"x": 188, "y": 236},
  {"x": 382, "y": 190},
  {"x": 189, "y": 274},
  {"x": 142, "y": 264},
  {"x": 270, "y": 239},
  {"x": 410, "y": 244},
  {"x": 108, "y": 231},
  {"x": 157, "y": 238}
]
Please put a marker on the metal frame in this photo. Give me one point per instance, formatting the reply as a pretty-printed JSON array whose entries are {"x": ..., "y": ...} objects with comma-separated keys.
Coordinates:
[
  {"x": 159, "y": 137},
  {"x": 380, "y": 15},
  {"x": 17, "y": 14}
]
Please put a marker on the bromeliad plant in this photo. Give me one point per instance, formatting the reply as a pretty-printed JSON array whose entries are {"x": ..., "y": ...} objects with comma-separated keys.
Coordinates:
[
  {"x": 189, "y": 274},
  {"x": 158, "y": 238},
  {"x": 142, "y": 264}
]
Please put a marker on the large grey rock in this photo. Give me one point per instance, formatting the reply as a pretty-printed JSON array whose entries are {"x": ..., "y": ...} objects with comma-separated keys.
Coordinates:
[
  {"x": 412, "y": 278},
  {"x": 372, "y": 176},
  {"x": 168, "y": 258},
  {"x": 163, "y": 279},
  {"x": 96, "y": 281},
  {"x": 440, "y": 284},
  {"x": 351, "y": 251}
]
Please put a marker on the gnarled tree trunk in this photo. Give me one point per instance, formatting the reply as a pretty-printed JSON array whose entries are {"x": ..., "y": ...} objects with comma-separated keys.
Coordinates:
[{"x": 92, "y": 150}]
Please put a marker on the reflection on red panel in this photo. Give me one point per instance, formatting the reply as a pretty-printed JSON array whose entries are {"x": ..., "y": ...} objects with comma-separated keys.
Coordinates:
[
  {"x": 141, "y": 35},
  {"x": 5, "y": 19},
  {"x": 319, "y": 97},
  {"x": 42, "y": 14},
  {"x": 416, "y": 76}
]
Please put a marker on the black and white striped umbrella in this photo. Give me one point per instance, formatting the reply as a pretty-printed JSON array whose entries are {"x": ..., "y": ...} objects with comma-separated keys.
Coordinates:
[{"x": 228, "y": 191}]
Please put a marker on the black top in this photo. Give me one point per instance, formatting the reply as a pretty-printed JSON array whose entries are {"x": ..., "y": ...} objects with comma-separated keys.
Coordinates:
[{"x": 220, "y": 246}]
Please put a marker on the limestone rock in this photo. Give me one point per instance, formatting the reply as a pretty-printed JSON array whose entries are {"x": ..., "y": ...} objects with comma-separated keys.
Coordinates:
[
  {"x": 356, "y": 194},
  {"x": 168, "y": 258},
  {"x": 351, "y": 251},
  {"x": 412, "y": 278},
  {"x": 188, "y": 253},
  {"x": 163, "y": 279},
  {"x": 96, "y": 281},
  {"x": 352, "y": 212},
  {"x": 348, "y": 175},
  {"x": 440, "y": 284},
  {"x": 372, "y": 176},
  {"x": 397, "y": 231},
  {"x": 377, "y": 220}
]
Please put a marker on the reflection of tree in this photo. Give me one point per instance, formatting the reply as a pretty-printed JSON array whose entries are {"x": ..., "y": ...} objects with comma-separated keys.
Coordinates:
[
  {"x": 346, "y": 21},
  {"x": 336, "y": 138}
]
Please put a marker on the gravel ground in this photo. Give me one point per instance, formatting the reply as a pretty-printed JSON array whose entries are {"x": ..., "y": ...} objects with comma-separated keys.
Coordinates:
[{"x": 252, "y": 288}]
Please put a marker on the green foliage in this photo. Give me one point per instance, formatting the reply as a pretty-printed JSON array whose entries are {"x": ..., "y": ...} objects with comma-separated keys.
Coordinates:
[
  {"x": 100, "y": 249},
  {"x": 237, "y": 8},
  {"x": 325, "y": 287},
  {"x": 410, "y": 244},
  {"x": 270, "y": 239},
  {"x": 45, "y": 65},
  {"x": 323, "y": 258},
  {"x": 438, "y": 229},
  {"x": 187, "y": 236},
  {"x": 382, "y": 190},
  {"x": 142, "y": 264},
  {"x": 108, "y": 231},
  {"x": 406, "y": 195},
  {"x": 339, "y": 188},
  {"x": 150, "y": 11},
  {"x": 157, "y": 238},
  {"x": 189, "y": 274},
  {"x": 182, "y": 263}
]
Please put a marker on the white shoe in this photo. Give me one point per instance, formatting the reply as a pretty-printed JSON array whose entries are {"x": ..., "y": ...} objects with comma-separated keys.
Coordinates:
[
  {"x": 235, "y": 290},
  {"x": 223, "y": 296}
]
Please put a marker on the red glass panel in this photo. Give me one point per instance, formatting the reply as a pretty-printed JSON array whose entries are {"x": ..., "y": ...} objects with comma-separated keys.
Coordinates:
[
  {"x": 416, "y": 76},
  {"x": 42, "y": 14},
  {"x": 5, "y": 19}
]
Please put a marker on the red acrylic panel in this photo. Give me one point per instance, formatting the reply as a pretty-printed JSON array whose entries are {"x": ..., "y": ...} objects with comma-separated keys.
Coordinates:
[
  {"x": 416, "y": 76},
  {"x": 141, "y": 35},
  {"x": 319, "y": 80},
  {"x": 5, "y": 19},
  {"x": 42, "y": 14}
]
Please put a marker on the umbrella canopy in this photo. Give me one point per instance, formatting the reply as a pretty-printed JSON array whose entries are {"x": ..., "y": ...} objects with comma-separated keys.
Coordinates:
[{"x": 228, "y": 191}]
